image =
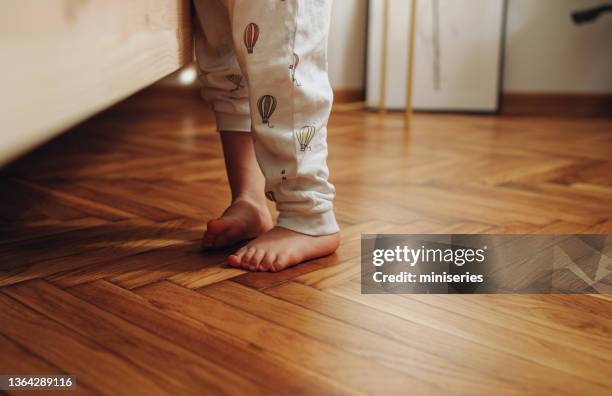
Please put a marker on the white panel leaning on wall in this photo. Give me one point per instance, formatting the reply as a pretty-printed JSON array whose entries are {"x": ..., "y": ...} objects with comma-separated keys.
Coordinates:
[{"x": 457, "y": 61}]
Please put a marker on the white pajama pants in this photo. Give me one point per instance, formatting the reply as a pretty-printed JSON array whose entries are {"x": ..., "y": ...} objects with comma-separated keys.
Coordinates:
[{"x": 263, "y": 67}]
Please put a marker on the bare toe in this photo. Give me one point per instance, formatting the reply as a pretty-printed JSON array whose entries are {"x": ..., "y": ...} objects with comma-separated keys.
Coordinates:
[
  {"x": 246, "y": 259},
  {"x": 281, "y": 262},
  {"x": 256, "y": 259},
  {"x": 268, "y": 260},
  {"x": 235, "y": 260}
]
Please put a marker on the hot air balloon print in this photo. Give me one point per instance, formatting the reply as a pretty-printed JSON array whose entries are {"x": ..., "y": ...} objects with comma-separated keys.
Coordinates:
[
  {"x": 266, "y": 106},
  {"x": 305, "y": 135},
  {"x": 293, "y": 68},
  {"x": 251, "y": 34},
  {"x": 235, "y": 79}
]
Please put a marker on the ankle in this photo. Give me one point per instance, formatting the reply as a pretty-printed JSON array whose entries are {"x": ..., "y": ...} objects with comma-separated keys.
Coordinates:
[{"x": 250, "y": 199}]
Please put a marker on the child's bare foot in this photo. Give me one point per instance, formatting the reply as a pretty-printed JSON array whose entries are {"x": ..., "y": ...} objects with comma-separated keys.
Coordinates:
[
  {"x": 281, "y": 248},
  {"x": 244, "y": 219}
]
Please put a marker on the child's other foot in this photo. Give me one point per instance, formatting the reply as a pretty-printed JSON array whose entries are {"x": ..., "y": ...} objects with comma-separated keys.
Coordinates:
[
  {"x": 244, "y": 219},
  {"x": 281, "y": 248}
]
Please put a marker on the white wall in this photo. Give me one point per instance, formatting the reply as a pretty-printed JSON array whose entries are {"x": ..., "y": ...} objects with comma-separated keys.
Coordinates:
[
  {"x": 546, "y": 52},
  {"x": 347, "y": 44}
]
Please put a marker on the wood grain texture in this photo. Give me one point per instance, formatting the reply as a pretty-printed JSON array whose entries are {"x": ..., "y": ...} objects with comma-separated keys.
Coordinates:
[
  {"x": 65, "y": 60},
  {"x": 49, "y": 339},
  {"x": 556, "y": 104},
  {"x": 101, "y": 273},
  {"x": 429, "y": 344},
  {"x": 175, "y": 368},
  {"x": 221, "y": 348}
]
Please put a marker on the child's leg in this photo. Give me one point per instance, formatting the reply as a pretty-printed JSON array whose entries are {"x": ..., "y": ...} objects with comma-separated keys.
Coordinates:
[
  {"x": 225, "y": 87},
  {"x": 248, "y": 215},
  {"x": 281, "y": 47}
]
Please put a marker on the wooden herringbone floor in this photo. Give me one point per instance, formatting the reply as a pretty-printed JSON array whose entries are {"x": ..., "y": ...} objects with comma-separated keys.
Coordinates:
[{"x": 101, "y": 276}]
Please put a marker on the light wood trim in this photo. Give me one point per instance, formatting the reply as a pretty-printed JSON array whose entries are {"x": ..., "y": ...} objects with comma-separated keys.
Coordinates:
[
  {"x": 556, "y": 104},
  {"x": 383, "y": 63},
  {"x": 63, "y": 61},
  {"x": 410, "y": 76}
]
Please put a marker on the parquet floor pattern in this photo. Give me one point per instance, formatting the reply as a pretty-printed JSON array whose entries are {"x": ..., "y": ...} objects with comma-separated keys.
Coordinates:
[{"x": 101, "y": 274}]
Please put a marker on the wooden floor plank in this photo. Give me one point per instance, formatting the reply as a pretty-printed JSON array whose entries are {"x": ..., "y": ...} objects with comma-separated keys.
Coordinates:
[
  {"x": 226, "y": 351},
  {"x": 499, "y": 335},
  {"x": 355, "y": 371},
  {"x": 72, "y": 353},
  {"x": 143, "y": 268},
  {"x": 538, "y": 317},
  {"x": 435, "y": 345},
  {"x": 25, "y": 202},
  {"x": 77, "y": 200},
  {"x": 105, "y": 198},
  {"x": 386, "y": 352},
  {"x": 76, "y": 249},
  {"x": 173, "y": 368},
  {"x": 17, "y": 360},
  {"x": 23, "y": 230}
]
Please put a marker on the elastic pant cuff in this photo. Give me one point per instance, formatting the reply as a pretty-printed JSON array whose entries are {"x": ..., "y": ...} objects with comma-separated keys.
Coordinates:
[{"x": 313, "y": 224}]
